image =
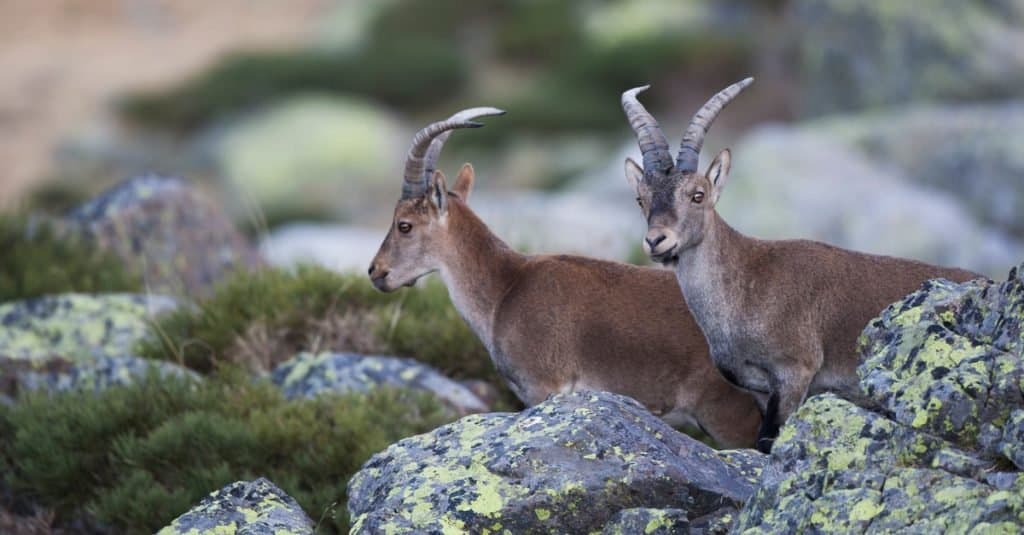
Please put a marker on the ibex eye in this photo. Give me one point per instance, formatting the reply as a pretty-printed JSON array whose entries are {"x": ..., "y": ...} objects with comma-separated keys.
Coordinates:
[
  {"x": 404, "y": 227},
  {"x": 640, "y": 202},
  {"x": 698, "y": 197}
]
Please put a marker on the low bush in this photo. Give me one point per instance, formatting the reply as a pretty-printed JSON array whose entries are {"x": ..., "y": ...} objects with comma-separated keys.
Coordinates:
[
  {"x": 35, "y": 260},
  {"x": 259, "y": 319},
  {"x": 137, "y": 457},
  {"x": 410, "y": 74}
]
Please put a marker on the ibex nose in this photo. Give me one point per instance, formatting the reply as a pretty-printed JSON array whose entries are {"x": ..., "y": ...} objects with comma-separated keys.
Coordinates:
[{"x": 653, "y": 241}]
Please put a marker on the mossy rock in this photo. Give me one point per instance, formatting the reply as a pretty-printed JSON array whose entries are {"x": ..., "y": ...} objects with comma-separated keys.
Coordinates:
[
  {"x": 308, "y": 375},
  {"x": 100, "y": 373},
  {"x": 648, "y": 522},
  {"x": 568, "y": 464},
  {"x": 942, "y": 450},
  {"x": 339, "y": 150},
  {"x": 179, "y": 241},
  {"x": 77, "y": 327},
  {"x": 858, "y": 54},
  {"x": 245, "y": 507}
]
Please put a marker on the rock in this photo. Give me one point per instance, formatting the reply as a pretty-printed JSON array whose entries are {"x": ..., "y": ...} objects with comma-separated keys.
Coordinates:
[
  {"x": 77, "y": 327},
  {"x": 307, "y": 375},
  {"x": 569, "y": 464},
  {"x": 805, "y": 182},
  {"x": 338, "y": 247},
  {"x": 179, "y": 241},
  {"x": 245, "y": 507},
  {"x": 60, "y": 375},
  {"x": 648, "y": 521},
  {"x": 341, "y": 153},
  {"x": 941, "y": 452},
  {"x": 973, "y": 151},
  {"x": 857, "y": 54}
]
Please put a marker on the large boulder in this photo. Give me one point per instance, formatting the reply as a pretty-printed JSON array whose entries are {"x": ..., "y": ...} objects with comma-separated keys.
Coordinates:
[
  {"x": 943, "y": 450},
  {"x": 307, "y": 375},
  {"x": 245, "y": 507},
  {"x": 809, "y": 182},
  {"x": 973, "y": 151},
  {"x": 857, "y": 54},
  {"x": 77, "y": 327},
  {"x": 179, "y": 241},
  {"x": 569, "y": 464},
  {"x": 314, "y": 156}
]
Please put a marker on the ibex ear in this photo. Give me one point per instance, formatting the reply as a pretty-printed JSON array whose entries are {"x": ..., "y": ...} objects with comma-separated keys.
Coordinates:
[
  {"x": 437, "y": 192},
  {"x": 718, "y": 173},
  {"x": 464, "y": 182},
  {"x": 634, "y": 174}
]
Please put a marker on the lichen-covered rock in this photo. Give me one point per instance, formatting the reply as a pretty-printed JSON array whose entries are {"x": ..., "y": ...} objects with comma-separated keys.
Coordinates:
[
  {"x": 943, "y": 451},
  {"x": 971, "y": 150},
  {"x": 178, "y": 241},
  {"x": 648, "y": 522},
  {"x": 815, "y": 169},
  {"x": 60, "y": 375},
  {"x": 864, "y": 53},
  {"x": 77, "y": 327},
  {"x": 567, "y": 465},
  {"x": 245, "y": 507},
  {"x": 341, "y": 153},
  {"x": 308, "y": 374}
]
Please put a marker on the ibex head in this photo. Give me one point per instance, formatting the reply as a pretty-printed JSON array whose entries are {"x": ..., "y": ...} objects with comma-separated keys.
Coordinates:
[
  {"x": 419, "y": 227},
  {"x": 676, "y": 200}
]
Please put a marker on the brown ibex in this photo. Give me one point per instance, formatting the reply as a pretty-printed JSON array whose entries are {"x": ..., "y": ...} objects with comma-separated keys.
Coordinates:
[
  {"x": 557, "y": 323},
  {"x": 781, "y": 317}
]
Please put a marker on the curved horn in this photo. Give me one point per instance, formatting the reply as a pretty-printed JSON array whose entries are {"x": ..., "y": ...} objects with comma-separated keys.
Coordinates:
[
  {"x": 413, "y": 183},
  {"x": 653, "y": 145},
  {"x": 693, "y": 139},
  {"x": 430, "y": 160}
]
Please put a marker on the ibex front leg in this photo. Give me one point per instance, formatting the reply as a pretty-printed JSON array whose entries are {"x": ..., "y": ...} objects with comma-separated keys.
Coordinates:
[{"x": 788, "y": 388}]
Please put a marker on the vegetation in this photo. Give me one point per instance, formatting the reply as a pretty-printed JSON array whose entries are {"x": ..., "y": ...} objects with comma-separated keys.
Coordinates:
[
  {"x": 429, "y": 66},
  {"x": 37, "y": 260},
  {"x": 405, "y": 75},
  {"x": 260, "y": 319},
  {"x": 120, "y": 455}
]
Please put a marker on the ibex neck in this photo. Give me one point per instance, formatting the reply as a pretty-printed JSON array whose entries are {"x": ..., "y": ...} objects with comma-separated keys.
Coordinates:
[
  {"x": 708, "y": 270},
  {"x": 478, "y": 269}
]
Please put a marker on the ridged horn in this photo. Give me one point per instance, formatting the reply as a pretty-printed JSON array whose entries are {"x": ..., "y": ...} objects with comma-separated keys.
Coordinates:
[
  {"x": 693, "y": 139},
  {"x": 414, "y": 182},
  {"x": 653, "y": 144},
  {"x": 430, "y": 160}
]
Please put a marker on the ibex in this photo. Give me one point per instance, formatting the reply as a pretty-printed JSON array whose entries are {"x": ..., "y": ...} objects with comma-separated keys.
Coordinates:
[
  {"x": 556, "y": 323},
  {"x": 781, "y": 317}
]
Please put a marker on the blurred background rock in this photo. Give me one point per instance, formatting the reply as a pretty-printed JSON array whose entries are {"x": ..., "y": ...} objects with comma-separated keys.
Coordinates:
[{"x": 878, "y": 126}]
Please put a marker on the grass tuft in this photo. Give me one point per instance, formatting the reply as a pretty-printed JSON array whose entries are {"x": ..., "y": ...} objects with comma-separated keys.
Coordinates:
[{"x": 258, "y": 320}]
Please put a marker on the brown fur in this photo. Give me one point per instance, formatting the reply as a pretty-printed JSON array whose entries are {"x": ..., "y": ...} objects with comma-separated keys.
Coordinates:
[
  {"x": 565, "y": 323},
  {"x": 781, "y": 317}
]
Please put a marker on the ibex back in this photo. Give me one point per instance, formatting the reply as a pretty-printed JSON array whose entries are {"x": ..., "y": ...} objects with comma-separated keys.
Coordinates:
[
  {"x": 781, "y": 317},
  {"x": 557, "y": 323}
]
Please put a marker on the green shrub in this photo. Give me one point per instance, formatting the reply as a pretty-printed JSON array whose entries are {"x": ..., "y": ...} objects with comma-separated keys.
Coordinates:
[
  {"x": 138, "y": 457},
  {"x": 260, "y": 319},
  {"x": 36, "y": 260},
  {"x": 409, "y": 74}
]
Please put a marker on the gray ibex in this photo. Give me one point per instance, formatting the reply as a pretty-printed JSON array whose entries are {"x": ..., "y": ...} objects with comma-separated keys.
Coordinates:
[
  {"x": 781, "y": 317},
  {"x": 557, "y": 323}
]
